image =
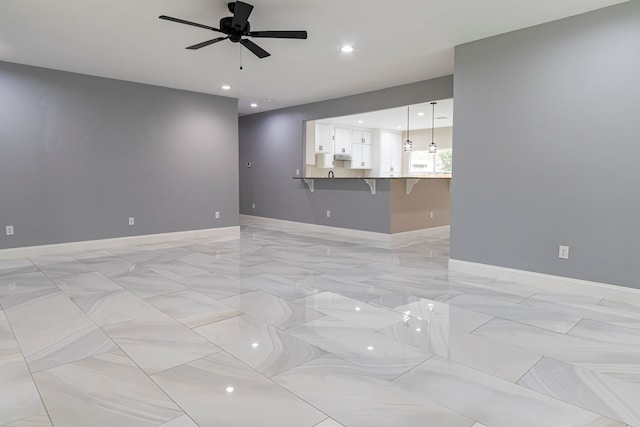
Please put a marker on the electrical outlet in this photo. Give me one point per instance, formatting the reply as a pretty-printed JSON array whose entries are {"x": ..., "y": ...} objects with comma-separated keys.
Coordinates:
[
  {"x": 328, "y": 214},
  {"x": 563, "y": 252},
  {"x": 132, "y": 220},
  {"x": 297, "y": 172},
  {"x": 217, "y": 215},
  {"x": 431, "y": 215},
  {"x": 253, "y": 206},
  {"x": 9, "y": 230}
]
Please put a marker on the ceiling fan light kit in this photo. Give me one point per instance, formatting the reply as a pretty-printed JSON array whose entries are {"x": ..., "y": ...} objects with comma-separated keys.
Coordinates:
[{"x": 236, "y": 28}]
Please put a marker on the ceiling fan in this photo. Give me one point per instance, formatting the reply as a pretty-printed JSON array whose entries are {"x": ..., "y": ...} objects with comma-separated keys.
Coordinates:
[{"x": 237, "y": 27}]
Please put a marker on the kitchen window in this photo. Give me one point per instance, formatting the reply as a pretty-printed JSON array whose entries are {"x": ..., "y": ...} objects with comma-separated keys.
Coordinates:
[{"x": 423, "y": 162}]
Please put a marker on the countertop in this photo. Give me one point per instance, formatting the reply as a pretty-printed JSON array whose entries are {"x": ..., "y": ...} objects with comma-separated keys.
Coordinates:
[{"x": 430, "y": 176}]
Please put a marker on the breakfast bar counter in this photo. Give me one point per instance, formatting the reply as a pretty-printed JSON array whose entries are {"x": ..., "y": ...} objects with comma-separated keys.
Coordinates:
[{"x": 412, "y": 202}]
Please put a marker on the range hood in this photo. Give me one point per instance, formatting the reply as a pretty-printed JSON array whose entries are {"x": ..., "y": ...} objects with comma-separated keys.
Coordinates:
[{"x": 342, "y": 156}]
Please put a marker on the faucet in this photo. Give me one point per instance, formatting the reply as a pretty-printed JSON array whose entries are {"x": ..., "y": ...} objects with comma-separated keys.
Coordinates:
[{"x": 330, "y": 175}]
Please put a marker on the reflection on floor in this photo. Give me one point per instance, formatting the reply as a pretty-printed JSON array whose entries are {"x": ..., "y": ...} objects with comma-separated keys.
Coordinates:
[{"x": 293, "y": 328}]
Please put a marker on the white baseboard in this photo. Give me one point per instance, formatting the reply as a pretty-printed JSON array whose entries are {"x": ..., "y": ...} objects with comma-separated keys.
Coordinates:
[
  {"x": 547, "y": 281},
  {"x": 426, "y": 232},
  {"x": 91, "y": 245}
]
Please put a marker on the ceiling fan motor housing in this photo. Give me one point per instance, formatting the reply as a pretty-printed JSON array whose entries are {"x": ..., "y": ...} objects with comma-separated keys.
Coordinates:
[{"x": 226, "y": 26}]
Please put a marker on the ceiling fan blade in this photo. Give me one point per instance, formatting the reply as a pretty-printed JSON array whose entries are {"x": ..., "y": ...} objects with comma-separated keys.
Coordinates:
[
  {"x": 182, "y": 21},
  {"x": 280, "y": 34},
  {"x": 241, "y": 14},
  {"x": 207, "y": 43},
  {"x": 257, "y": 50}
]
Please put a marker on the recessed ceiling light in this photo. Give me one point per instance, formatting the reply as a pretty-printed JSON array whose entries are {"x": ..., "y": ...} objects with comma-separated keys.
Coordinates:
[
  {"x": 360, "y": 121},
  {"x": 399, "y": 127},
  {"x": 229, "y": 389},
  {"x": 421, "y": 113},
  {"x": 255, "y": 345},
  {"x": 254, "y": 105},
  {"x": 370, "y": 348},
  {"x": 347, "y": 48},
  {"x": 226, "y": 87}
]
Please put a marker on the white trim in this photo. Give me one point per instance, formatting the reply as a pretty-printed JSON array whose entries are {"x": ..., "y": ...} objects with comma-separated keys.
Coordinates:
[
  {"x": 424, "y": 232},
  {"x": 91, "y": 245},
  {"x": 547, "y": 281}
]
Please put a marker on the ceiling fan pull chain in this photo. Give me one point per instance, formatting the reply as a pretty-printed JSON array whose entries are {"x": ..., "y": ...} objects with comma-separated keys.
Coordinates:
[{"x": 240, "y": 57}]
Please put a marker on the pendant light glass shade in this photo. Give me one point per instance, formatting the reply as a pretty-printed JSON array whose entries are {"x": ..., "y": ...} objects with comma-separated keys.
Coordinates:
[
  {"x": 433, "y": 147},
  {"x": 408, "y": 144}
]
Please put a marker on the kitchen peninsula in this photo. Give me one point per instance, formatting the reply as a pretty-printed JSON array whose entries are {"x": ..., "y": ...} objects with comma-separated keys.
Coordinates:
[
  {"x": 414, "y": 203},
  {"x": 344, "y": 162}
]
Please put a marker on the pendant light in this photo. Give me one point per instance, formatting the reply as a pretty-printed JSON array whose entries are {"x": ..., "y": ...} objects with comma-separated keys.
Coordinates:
[
  {"x": 408, "y": 144},
  {"x": 433, "y": 147}
]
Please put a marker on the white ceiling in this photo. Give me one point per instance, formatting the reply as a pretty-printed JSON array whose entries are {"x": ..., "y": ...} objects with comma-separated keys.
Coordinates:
[
  {"x": 396, "y": 118},
  {"x": 396, "y": 42}
]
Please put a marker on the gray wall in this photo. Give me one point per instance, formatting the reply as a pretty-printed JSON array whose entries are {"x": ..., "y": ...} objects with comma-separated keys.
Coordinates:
[
  {"x": 80, "y": 154},
  {"x": 273, "y": 142},
  {"x": 547, "y": 148}
]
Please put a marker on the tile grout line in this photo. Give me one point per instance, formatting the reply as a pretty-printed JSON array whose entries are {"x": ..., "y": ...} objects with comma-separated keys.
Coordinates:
[
  {"x": 564, "y": 401},
  {"x": 485, "y": 323},
  {"x": 574, "y": 326},
  {"x": 269, "y": 379},
  {"x": 24, "y": 360},
  {"x": 123, "y": 351}
]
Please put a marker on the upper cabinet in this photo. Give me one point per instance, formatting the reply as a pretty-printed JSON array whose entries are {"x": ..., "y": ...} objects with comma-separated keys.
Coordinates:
[
  {"x": 360, "y": 136},
  {"x": 323, "y": 138},
  {"x": 342, "y": 140},
  {"x": 351, "y": 146}
]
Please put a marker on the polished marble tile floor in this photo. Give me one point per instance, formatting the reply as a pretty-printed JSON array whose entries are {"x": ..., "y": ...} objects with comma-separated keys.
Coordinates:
[{"x": 296, "y": 328}]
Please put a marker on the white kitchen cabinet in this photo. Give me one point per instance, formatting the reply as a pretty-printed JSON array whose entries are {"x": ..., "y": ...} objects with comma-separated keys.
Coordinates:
[
  {"x": 361, "y": 152},
  {"x": 324, "y": 161},
  {"x": 360, "y": 136},
  {"x": 388, "y": 154},
  {"x": 342, "y": 140},
  {"x": 324, "y": 138}
]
